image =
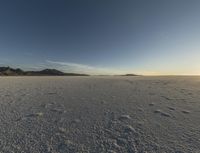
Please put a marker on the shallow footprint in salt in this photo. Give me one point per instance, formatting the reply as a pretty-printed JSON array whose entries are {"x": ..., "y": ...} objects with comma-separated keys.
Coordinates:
[
  {"x": 124, "y": 117},
  {"x": 185, "y": 111},
  {"x": 158, "y": 111},
  {"x": 129, "y": 128},
  {"x": 62, "y": 130},
  {"x": 39, "y": 114},
  {"x": 76, "y": 121},
  {"x": 167, "y": 98},
  {"x": 171, "y": 108},
  {"x": 57, "y": 110},
  {"x": 151, "y": 104}
]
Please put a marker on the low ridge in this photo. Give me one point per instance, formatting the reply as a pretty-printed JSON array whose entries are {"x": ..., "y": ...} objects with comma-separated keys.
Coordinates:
[{"x": 8, "y": 71}]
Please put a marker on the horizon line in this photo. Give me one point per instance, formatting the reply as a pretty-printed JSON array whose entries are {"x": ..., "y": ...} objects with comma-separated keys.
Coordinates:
[{"x": 103, "y": 74}]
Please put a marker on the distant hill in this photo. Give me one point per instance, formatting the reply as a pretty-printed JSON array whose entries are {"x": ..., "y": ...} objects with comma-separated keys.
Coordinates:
[
  {"x": 130, "y": 75},
  {"x": 7, "y": 71}
]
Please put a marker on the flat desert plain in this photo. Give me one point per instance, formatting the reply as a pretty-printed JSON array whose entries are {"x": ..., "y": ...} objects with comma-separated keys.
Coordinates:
[{"x": 100, "y": 114}]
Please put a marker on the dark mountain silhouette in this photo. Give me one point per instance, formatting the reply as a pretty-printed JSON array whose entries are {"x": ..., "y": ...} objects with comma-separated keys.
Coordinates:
[
  {"x": 7, "y": 71},
  {"x": 130, "y": 75},
  {"x": 53, "y": 72}
]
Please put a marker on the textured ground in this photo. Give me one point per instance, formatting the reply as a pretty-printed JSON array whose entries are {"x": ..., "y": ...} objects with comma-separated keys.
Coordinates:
[{"x": 100, "y": 114}]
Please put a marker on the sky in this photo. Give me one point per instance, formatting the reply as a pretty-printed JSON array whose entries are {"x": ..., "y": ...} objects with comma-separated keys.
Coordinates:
[{"x": 150, "y": 37}]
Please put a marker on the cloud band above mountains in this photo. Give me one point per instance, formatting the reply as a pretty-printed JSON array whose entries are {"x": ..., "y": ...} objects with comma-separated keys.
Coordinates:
[{"x": 81, "y": 68}]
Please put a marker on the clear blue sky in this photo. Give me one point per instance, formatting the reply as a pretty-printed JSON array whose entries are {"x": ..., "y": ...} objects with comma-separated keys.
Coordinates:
[{"x": 101, "y": 36}]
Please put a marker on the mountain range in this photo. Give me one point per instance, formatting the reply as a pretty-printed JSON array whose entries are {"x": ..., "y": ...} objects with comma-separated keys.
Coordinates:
[{"x": 8, "y": 71}]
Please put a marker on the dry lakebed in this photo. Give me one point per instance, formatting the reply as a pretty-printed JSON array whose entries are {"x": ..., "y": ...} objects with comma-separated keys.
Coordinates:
[{"x": 100, "y": 114}]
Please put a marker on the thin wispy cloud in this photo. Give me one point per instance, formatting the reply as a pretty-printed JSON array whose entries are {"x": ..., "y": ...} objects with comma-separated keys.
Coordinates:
[
  {"x": 81, "y": 68},
  {"x": 75, "y": 65}
]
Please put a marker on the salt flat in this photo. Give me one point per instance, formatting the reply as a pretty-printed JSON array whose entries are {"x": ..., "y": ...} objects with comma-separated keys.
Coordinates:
[{"x": 100, "y": 114}]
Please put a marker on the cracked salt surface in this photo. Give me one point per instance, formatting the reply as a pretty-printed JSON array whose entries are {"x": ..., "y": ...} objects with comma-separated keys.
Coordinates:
[{"x": 99, "y": 114}]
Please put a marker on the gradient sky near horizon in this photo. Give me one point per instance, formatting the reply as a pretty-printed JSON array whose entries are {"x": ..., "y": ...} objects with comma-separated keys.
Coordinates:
[{"x": 102, "y": 36}]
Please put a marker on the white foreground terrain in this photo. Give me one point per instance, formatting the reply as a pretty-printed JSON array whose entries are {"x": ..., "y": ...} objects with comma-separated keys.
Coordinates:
[{"x": 100, "y": 114}]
